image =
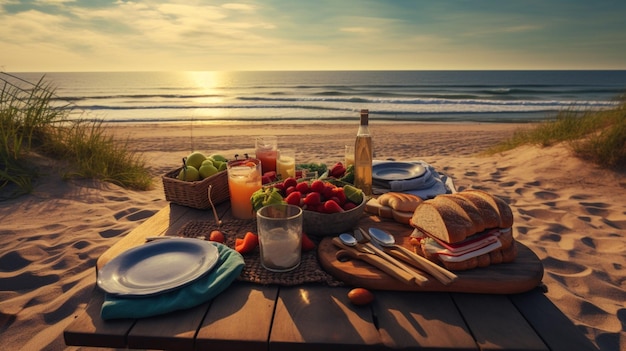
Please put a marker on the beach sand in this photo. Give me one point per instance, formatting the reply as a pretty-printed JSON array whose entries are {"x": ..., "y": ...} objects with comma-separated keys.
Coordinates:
[{"x": 570, "y": 213}]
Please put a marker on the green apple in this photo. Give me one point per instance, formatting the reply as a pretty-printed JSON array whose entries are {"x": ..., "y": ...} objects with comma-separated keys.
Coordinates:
[
  {"x": 222, "y": 166},
  {"x": 207, "y": 169},
  {"x": 218, "y": 157},
  {"x": 195, "y": 159},
  {"x": 189, "y": 174}
]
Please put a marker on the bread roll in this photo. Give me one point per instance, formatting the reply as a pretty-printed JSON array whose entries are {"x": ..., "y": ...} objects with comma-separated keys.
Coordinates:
[
  {"x": 400, "y": 201},
  {"x": 397, "y": 206}
]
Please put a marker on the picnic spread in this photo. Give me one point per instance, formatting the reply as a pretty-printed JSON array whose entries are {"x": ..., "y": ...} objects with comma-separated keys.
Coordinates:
[
  {"x": 326, "y": 264},
  {"x": 315, "y": 304},
  {"x": 261, "y": 254}
]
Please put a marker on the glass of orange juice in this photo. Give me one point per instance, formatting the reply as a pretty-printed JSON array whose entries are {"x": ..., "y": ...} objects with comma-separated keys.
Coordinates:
[
  {"x": 244, "y": 178},
  {"x": 266, "y": 151}
]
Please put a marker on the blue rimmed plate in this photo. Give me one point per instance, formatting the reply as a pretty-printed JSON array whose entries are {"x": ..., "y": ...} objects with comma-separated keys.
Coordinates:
[
  {"x": 157, "y": 267},
  {"x": 397, "y": 170}
]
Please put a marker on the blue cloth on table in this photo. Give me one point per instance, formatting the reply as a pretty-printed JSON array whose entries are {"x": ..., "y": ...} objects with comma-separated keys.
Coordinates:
[
  {"x": 228, "y": 268},
  {"x": 426, "y": 186}
]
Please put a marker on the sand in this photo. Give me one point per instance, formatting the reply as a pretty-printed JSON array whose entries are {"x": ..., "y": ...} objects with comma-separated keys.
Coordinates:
[{"x": 570, "y": 213}]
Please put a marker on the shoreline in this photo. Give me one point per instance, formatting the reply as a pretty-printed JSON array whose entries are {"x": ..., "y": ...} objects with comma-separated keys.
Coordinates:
[{"x": 572, "y": 218}]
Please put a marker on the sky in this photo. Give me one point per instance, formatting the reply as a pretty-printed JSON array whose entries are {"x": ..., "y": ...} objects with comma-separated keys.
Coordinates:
[{"x": 197, "y": 35}]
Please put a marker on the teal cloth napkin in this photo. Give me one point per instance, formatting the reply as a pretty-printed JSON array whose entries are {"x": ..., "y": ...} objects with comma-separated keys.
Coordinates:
[{"x": 228, "y": 268}]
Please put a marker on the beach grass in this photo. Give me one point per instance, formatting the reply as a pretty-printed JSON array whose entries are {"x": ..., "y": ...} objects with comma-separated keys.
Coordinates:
[
  {"x": 32, "y": 126},
  {"x": 598, "y": 136}
]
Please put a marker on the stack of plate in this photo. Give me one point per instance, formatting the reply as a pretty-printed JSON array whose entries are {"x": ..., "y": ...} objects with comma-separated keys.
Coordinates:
[
  {"x": 384, "y": 173},
  {"x": 158, "y": 267}
]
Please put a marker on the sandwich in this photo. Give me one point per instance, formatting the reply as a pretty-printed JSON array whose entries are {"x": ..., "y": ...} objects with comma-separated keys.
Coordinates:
[
  {"x": 464, "y": 230},
  {"x": 394, "y": 205}
]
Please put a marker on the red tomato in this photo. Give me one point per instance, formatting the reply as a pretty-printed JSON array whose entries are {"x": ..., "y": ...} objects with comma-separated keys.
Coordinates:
[{"x": 217, "y": 236}]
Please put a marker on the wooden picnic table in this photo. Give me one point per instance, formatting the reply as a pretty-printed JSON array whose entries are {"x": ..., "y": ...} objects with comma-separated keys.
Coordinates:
[{"x": 250, "y": 316}]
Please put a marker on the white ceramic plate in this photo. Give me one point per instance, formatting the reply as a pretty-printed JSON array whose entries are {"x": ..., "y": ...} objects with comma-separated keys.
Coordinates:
[
  {"x": 397, "y": 170},
  {"x": 157, "y": 267}
]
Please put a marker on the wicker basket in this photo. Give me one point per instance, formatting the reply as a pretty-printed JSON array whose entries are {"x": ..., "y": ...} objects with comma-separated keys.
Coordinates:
[{"x": 196, "y": 194}]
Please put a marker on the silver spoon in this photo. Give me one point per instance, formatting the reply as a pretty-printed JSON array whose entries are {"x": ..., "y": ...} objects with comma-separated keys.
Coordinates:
[
  {"x": 347, "y": 239},
  {"x": 389, "y": 241},
  {"x": 382, "y": 237}
]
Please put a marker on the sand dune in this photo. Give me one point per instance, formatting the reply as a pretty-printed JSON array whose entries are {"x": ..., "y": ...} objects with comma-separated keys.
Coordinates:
[{"x": 570, "y": 213}]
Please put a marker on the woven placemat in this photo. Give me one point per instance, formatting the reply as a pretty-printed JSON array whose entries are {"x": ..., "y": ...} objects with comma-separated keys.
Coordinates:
[{"x": 309, "y": 270}]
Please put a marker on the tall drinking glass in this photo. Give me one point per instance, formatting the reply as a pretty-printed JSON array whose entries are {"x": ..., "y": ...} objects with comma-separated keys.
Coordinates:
[
  {"x": 244, "y": 178},
  {"x": 349, "y": 157},
  {"x": 266, "y": 150},
  {"x": 280, "y": 236},
  {"x": 286, "y": 163}
]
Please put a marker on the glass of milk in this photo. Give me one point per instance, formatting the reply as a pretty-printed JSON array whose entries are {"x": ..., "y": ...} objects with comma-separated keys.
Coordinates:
[{"x": 280, "y": 236}]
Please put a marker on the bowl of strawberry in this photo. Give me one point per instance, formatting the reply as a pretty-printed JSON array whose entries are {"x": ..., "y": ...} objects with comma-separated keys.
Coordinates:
[{"x": 330, "y": 207}]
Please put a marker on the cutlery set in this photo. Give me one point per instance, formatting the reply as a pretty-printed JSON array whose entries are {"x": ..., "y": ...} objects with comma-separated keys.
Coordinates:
[{"x": 378, "y": 248}]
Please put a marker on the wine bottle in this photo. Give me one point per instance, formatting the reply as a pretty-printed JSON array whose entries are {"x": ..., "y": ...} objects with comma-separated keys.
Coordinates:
[{"x": 363, "y": 155}]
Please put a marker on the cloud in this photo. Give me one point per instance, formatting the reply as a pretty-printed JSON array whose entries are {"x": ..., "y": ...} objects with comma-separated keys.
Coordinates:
[{"x": 271, "y": 34}]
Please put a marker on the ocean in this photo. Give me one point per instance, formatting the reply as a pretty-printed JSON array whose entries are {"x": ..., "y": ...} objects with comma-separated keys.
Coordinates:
[{"x": 332, "y": 96}]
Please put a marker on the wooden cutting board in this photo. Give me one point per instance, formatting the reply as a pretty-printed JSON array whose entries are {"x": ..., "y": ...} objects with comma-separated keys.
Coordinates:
[{"x": 521, "y": 275}]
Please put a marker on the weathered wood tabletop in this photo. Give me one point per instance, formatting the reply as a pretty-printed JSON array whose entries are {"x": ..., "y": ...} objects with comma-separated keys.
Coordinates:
[{"x": 250, "y": 316}]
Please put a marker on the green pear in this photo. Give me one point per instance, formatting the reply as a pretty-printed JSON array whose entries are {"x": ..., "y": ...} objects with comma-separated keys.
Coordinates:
[
  {"x": 207, "y": 169},
  {"x": 189, "y": 174},
  {"x": 218, "y": 164},
  {"x": 218, "y": 157},
  {"x": 195, "y": 159}
]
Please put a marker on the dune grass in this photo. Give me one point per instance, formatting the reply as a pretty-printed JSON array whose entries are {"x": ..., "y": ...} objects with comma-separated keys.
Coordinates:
[
  {"x": 34, "y": 125},
  {"x": 598, "y": 136}
]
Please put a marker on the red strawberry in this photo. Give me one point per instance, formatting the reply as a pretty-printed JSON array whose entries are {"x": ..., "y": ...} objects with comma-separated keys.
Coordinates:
[
  {"x": 317, "y": 186},
  {"x": 340, "y": 195},
  {"x": 290, "y": 190},
  {"x": 337, "y": 171},
  {"x": 289, "y": 182},
  {"x": 312, "y": 199},
  {"x": 293, "y": 198},
  {"x": 328, "y": 190},
  {"x": 307, "y": 243},
  {"x": 332, "y": 207},
  {"x": 303, "y": 187},
  {"x": 349, "y": 205},
  {"x": 271, "y": 175}
]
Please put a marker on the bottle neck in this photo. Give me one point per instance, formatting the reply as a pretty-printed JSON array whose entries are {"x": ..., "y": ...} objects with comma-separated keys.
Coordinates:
[
  {"x": 364, "y": 117},
  {"x": 363, "y": 127}
]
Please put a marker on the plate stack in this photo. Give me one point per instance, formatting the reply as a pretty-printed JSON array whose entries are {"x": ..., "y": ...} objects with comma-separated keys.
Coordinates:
[{"x": 402, "y": 176}]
